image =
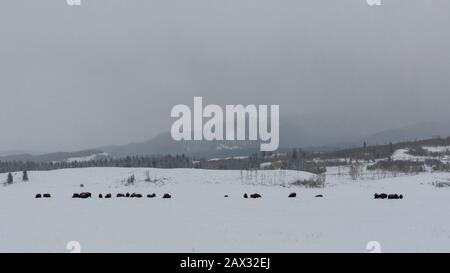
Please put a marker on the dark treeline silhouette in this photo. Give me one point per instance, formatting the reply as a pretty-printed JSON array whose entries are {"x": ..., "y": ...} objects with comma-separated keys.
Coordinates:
[
  {"x": 295, "y": 160},
  {"x": 167, "y": 161}
]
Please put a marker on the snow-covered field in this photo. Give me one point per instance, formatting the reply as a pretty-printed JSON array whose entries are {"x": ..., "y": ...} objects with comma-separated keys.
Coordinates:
[{"x": 199, "y": 219}]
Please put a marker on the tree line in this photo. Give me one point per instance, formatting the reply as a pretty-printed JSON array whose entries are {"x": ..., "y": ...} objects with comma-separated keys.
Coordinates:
[{"x": 166, "y": 161}]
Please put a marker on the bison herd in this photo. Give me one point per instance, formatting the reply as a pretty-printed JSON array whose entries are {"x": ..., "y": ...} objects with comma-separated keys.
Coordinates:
[
  {"x": 388, "y": 196},
  {"x": 45, "y": 195},
  {"x": 254, "y": 195},
  {"x": 85, "y": 195},
  {"x": 257, "y": 195}
]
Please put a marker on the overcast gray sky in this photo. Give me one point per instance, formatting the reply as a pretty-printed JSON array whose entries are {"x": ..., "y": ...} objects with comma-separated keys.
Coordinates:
[{"x": 109, "y": 71}]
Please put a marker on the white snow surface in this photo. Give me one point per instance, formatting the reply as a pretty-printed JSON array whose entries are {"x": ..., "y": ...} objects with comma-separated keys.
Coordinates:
[
  {"x": 86, "y": 158},
  {"x": 437, "y": 149},
  {"x": 199, "y": 219}
]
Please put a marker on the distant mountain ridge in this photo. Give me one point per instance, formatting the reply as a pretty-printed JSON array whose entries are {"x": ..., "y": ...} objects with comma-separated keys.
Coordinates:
[
  {"x": 325, "y": 136},
  {"x": 50, "y": 157}
]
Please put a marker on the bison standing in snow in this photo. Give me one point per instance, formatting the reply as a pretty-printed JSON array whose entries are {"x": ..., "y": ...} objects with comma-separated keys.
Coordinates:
[
  {"x": 255, "y": 195},
  {"x": 38, "y": 195},
  {"x": 167, "y": 196},
  {"x": 388, "y": 196},
  {"x": 153, "y": 195},
  {"x": 108, "y": 195},
  {"x": 292, "y": 195},
  {"x": 85, "y": 195}
]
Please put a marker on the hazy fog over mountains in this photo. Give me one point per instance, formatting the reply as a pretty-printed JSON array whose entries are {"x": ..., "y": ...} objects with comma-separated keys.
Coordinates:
[
  {"x": 109, "y": 72},
  {"x": 309, "y": 136}
]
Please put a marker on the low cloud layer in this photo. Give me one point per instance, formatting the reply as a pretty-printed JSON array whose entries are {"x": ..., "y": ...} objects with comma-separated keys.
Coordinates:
[{"x": 109, "y": 71}]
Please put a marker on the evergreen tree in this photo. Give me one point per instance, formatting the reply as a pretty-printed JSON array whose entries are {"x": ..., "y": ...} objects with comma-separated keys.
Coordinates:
[
  {"x": 294, "y": 154},
  {"x": 10, "y": 179},
  {"x": 25, "y": 175}
]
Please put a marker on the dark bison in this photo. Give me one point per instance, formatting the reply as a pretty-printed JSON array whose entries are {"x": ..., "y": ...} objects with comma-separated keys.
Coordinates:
[
  {"x": 319, "y": 196},
  {"x": 127, "y": 194},
  {"x": 136, "y": 195},
  {"x": 38, "y": 195},
  {"x": 85, "y": 195},
  {"x": 167, "y": 196},
  {"x": 153, "y": 195},
  {"x": 108, "y": 195},
  {"x": 120, "y": 195},
  {"x": 380, "y": 196},
  {"x": 388, "y": 196},
  {"x": 292, "y": 195},
  {"x": 255, "y": 195},
  {"x": 76, "y": 195},
  {"x": 100, "y": 195},
  {"x": 395, "y": 196},
  {"x": 245, "y": 195},
  {"x": 46, "y": 195},
  {"x": 226, "y": 196}
]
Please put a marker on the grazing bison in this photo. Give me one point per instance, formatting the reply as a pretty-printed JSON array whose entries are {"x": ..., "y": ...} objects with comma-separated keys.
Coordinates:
[
  {"x": 167, "y": 196},
  {"x": 380, "y": 196},
  {"x": 388, "y": 196},
  {"x": 46, "y": 195},
  {"x": 100, "y": 195},
  {"x": 127, "y": 194},
  {"x": 255, "y": 195},
  {"x": 120, "y": 195},
  {"x": 383, "y": 195},
  {"x": 292, "y": 195},
  {"x": 38, "y": 195},
  {"x": 319, "y": 196},
  {"x": 153, "y": 195},
  {"x": 76, "y": 195},
  {"x": 226, "y": 196},
  {"x": 395, "y": 196},
  {"x": 85, "y": 195},
  {"x": 108, "y": 195}
]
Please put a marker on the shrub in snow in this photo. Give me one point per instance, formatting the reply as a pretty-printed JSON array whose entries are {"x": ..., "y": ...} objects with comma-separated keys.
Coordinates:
[
  {"x": 441, "y": 184},
  {"x": 317, "y": 181}
]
